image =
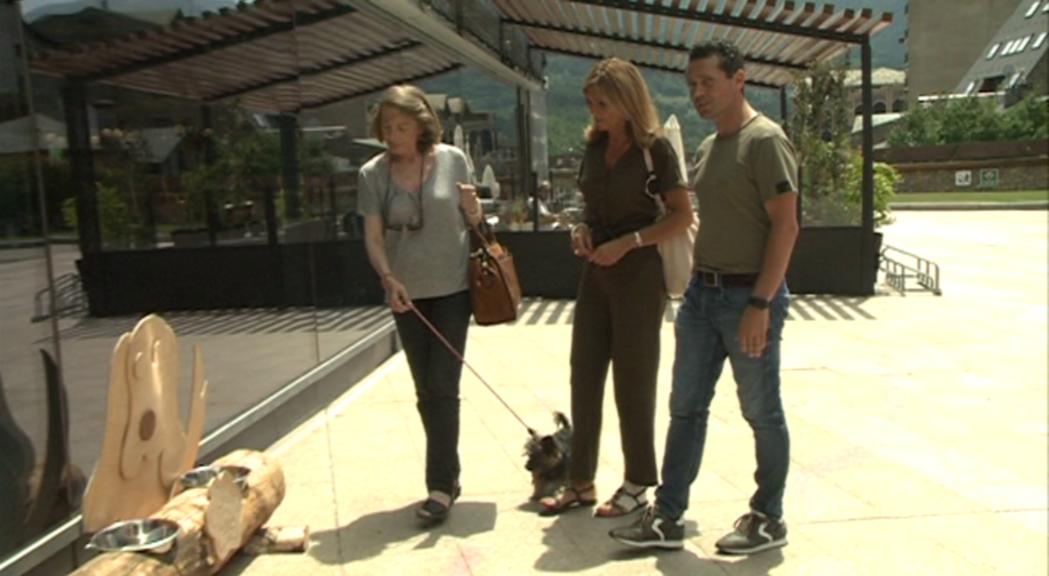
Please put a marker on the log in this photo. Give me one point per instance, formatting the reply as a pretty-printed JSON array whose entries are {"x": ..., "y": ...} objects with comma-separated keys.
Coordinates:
[
  {"x": 272, "y": 539},
  {"x": 222, "y": 520},
  {"x": 195, "y": 553}
]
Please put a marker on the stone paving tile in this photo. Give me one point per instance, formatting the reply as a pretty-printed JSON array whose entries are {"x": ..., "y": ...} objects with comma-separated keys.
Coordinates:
[{"x": 919, "y": 445}]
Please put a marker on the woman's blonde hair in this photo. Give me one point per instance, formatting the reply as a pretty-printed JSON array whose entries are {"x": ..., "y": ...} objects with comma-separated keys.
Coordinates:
[
  {"x": 622, "y": 84},
  {"x": 411, "y": 101}
]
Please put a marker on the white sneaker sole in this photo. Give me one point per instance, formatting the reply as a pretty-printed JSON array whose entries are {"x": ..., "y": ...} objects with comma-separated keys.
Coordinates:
[
  {"x": 755, "y": 549},
  {"x": 661, "y": 544}
]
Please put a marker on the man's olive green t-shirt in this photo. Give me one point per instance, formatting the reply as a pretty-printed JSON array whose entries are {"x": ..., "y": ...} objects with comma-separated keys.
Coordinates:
[{"x": 734, "y": 177}]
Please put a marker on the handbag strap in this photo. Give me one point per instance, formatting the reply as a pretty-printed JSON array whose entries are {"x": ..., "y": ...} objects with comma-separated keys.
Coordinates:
[
  {"x": 651, "y": 177},
  {"x": 482, "y": 230}
]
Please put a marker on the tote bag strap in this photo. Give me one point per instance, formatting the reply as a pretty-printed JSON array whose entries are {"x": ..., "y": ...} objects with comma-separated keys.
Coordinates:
[{"x": 650, "y": 179}]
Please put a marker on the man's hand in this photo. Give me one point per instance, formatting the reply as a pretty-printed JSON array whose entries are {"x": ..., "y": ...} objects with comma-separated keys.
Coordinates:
[{"x": 753, "y": 331}]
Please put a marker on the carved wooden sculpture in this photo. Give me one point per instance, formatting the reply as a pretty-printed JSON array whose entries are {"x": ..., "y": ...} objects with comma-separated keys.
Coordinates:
[
  {"x": 34, "y": 496},
  {"x": 144, "y": 448},
  {"x": 16, "y": 464},
  {"x": 211, "y": 525}
]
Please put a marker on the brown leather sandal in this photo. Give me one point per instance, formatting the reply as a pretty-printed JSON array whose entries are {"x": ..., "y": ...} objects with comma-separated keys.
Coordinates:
[{"x": 552, "y": 506}]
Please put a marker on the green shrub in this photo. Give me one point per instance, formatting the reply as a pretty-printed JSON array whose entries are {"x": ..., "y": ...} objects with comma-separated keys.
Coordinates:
[
  {"x": 885, "y": 179},
  {"x": 117, "y": 228},
  {"x": 971, "y": 120}
]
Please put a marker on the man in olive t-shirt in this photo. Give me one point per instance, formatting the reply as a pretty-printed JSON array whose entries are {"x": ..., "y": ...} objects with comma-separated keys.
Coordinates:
[{"x": 734, "y": 308}]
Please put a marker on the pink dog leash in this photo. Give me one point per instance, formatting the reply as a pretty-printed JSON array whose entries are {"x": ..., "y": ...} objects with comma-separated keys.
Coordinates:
[{"x": 455, "y": 353}]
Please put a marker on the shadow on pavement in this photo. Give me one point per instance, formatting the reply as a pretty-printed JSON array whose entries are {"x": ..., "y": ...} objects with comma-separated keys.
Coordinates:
[{"x": 371, "y": 534}]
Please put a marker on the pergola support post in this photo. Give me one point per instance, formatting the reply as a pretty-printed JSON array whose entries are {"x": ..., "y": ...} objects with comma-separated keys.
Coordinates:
[
  {"x": 210, "y": 156},
  {"x": 524, "y": 144},
  {"x": 82, "y": 167},
  {"x": 867, "y": 257},
  {"x": 289, "y": 151}
]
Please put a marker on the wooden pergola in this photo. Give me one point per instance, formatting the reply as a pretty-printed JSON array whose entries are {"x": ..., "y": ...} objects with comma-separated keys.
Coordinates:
[
  {"x": 778, "y": 38},
  {"x": 286, "y": 56}
]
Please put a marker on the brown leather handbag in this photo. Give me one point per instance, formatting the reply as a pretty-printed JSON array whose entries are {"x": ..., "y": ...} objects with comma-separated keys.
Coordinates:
[{"x": 495, "y": 293}]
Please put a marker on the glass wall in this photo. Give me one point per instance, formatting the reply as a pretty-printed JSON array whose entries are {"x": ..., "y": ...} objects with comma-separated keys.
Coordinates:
[
  {"x": 37, "y": 486},
  {"x": 118, "y": 200},
  {"x": 149, "y": 184}
]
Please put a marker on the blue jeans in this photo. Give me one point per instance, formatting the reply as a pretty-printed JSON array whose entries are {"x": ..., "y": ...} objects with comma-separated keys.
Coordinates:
[{"x": 706, "y": 333}]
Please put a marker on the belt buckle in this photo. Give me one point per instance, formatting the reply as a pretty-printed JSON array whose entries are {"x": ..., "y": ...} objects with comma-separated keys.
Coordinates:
[{"x": 710, "y": 279}]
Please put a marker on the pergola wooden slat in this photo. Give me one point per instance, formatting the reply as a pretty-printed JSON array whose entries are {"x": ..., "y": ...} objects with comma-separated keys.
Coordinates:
[
  {"x": 777, "y": 39},
  {"x": 258, "y": 54}
]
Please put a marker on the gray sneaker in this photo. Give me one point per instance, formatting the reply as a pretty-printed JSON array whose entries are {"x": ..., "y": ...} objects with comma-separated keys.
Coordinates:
[
  {"x": 754, "y": 532},
  {"x": 651, "y": 531}
]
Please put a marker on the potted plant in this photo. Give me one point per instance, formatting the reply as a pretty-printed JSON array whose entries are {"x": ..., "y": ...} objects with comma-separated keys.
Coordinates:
[{"x": 831, "y": 169}]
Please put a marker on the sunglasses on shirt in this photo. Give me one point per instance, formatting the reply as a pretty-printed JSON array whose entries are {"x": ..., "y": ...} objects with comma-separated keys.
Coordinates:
[{"x": 416, "y": 221}]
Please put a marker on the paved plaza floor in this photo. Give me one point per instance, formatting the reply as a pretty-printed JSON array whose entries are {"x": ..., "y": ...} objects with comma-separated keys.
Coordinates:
[{"x": 918, "y": 422}]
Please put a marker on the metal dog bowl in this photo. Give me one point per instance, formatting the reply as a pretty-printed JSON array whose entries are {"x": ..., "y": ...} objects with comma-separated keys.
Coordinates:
[
  {"x": 203, "y": 476},
  {"x": 147, "y": 534}
]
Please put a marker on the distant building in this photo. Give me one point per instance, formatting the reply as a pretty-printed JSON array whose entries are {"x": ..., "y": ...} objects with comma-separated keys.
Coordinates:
[
  {"x": 478, "y": 127},
  {"x": 1014, "y": 62},
  {"x": 888, "y": 88},
  {"x": 945, "y": 37}
]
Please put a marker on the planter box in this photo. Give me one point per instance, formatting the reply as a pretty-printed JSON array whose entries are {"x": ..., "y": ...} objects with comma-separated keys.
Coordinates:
[{"x": 337, "y": 273}]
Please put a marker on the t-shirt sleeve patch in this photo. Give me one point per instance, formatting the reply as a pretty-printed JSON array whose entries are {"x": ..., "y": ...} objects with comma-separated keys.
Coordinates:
[{"x": 784, "y": 187}]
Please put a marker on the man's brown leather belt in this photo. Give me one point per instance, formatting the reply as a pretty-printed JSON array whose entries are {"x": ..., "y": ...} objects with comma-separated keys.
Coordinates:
[{"x": 716, "y": 279}]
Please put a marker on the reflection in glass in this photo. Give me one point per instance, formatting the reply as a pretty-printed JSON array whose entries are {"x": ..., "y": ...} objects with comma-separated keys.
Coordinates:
[{"x": 136, "y": 194}]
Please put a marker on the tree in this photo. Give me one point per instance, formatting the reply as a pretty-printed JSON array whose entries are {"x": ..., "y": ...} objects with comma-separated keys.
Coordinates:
[
  {"x": 1028, "y": 119},
  {"x": 919, "y": 127},
  {"x": 831, "y": 170},
  {"x": 244, "y": 159},
  {"x": 971, "y": 120}
]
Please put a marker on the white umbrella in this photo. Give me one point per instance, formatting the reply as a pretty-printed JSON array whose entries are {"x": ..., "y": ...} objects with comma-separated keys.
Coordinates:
[
  {"x": 460, "y": 142},
  {"x": 672, "y": 130},
  {"x": 470, "y": 162},
  {"x": 457, "y": 138},
  {"x": 488, "y": 179}
]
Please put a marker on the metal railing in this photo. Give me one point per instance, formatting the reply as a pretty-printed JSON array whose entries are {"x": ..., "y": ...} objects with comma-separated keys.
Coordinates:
[
  {"x": 901, "y": 266},
  {"x": 69, "y": 298}
]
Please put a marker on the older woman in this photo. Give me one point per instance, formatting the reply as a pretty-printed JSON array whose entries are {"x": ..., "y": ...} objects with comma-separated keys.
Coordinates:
[
  {"x": 621, "y": 296},
  {"x": 417, "y": 210}
]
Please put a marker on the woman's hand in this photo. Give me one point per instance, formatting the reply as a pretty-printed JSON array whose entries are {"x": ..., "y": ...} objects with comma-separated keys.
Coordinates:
[
  {"x": 396, "y": 294},
  {"x": 469, "y": 202},
  {"x": 582, "y": 245},
  {"x": 610, "y": 252}
]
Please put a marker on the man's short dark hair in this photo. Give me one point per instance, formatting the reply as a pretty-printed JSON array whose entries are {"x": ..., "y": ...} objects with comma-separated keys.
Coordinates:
[{"x": 730, "y": 59}]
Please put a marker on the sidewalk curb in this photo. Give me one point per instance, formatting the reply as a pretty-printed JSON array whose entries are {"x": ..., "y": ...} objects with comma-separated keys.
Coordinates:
[{"x": 1038, "y": 205}]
